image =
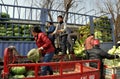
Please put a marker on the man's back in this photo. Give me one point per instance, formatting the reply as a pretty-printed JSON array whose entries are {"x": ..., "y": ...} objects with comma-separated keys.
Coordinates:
[{"x": 96, "y": 53}]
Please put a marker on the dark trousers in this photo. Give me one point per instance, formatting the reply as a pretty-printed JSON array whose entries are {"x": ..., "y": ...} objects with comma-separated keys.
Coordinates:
[
  {"x": 63, "y": 44},
  {"x": 47, "y": 58},
  {"x": 101, "y": 69},
  {"x": 52, "y": 39}
]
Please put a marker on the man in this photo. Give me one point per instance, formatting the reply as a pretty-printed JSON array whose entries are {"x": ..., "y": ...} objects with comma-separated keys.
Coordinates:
[
  {"x": 45, "y": 47},
  {"x": 60, "y": 31},
  {"x": 88, "y": 44},
  {"x": 97, "y": 53},
  {"x": 51, "y": 29},
  {"x": 72, "y": 37}
]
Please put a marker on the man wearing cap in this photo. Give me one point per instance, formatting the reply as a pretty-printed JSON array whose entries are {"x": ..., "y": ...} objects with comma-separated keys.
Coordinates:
[
  {"x": 88, "y": 44},
  {"x": 97, "y": 53}
]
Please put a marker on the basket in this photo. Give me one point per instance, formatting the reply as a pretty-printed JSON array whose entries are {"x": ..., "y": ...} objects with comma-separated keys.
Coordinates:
[{"x": 112, "y": 73}]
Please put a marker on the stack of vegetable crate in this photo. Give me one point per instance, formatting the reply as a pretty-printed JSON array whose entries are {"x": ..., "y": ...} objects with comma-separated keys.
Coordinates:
[
  {"x": 15, "y": 30},
  {"x": 25, "y": 31},
  {"x": 2, "y": 30},
  {"x": 112, "y": 73}
]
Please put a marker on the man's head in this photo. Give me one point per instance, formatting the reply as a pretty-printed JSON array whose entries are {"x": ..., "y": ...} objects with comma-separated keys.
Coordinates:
[
  {"x": 35, "y": 30},
  {"x": 91, "y": 36},
  {"x": 60, "y": 18},
  {"x": 49, "y": 24},
  {"x": 96, "y": 42}
]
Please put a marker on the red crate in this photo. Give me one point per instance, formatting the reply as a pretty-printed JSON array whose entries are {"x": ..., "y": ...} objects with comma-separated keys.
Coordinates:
[{"x": 65, "y": 70}]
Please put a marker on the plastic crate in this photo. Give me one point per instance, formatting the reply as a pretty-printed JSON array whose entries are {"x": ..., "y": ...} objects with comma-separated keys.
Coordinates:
[{"x": 112, "y": 73}]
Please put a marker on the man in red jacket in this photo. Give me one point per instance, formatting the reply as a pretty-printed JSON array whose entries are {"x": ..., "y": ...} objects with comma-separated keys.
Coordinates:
[{"x": 45, "y": 46}]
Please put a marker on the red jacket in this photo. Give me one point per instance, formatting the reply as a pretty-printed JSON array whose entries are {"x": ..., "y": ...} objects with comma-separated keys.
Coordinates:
[{"x": 43, "y": 41}]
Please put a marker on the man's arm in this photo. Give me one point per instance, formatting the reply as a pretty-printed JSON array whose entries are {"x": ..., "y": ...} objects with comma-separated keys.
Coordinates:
[
  {"x": 108, "y": 56},
  {"x": 61, "y": 30},
  {"x": 55, "y": 31}
]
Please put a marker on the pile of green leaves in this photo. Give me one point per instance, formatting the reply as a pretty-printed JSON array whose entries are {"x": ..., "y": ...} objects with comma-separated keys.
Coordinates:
[{"x": 113, "y": 62}]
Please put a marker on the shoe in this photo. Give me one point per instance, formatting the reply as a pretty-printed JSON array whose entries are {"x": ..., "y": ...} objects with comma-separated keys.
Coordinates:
[
  {"x": 71, "y": 52},
  {"x": 51, "y": 73}
]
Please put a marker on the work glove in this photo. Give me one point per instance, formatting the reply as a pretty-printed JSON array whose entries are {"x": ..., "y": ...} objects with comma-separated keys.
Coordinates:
[{"x": 116, "y": 56}]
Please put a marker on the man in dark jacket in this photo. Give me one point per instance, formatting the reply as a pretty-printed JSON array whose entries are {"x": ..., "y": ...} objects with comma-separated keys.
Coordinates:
[
  {"x": 51, "y": 29},
  {"x": 97, "y": 53}
]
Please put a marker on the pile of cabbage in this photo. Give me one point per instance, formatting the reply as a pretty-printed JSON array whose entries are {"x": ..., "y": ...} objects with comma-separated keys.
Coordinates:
[
  {"x": 79, "y": 49},
  {"x": 113, "y": 62},
  {"x": 20, "y": 72}
]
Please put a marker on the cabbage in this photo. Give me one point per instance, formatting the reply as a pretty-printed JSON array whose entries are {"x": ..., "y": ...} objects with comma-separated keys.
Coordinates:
[
  {"x": 9, "y": 29},
  {"x": 17, "y": 34},
  {"x": 18, "y": 70},
  {"x": 117, "y": 51},
  {"x": 112, "y": 50},
  {"x": 30, "y": 76},
  {"x": 17, "y": 29},
  {"x": 31, "y": 72},
  {"x": 2, "y": 34},
  {"x": 18, "y": 76},
  {"x": 79, "y": 49},
  {"x": 34, "y": 55},
  {"x": 113, "y": 62}
]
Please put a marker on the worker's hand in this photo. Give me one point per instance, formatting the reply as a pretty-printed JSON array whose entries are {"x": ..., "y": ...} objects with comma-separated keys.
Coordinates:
[
  {"x": 40, "y": 49},
  {"x": 59, "y": 31},
  {"x": 116, "y": 56},
  {"x": 52, "y": 34}
]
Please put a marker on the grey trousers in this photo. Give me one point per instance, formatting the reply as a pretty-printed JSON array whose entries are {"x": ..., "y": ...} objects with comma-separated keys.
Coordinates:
[{"x": 72, "y": 37}]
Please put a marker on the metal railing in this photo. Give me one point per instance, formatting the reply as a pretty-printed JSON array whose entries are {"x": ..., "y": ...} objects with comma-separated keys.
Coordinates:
[{"x": 21, "y": 17}]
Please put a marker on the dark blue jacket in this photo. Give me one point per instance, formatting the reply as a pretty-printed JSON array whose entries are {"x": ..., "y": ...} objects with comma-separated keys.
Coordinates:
[{"x": 51, "y": 30}]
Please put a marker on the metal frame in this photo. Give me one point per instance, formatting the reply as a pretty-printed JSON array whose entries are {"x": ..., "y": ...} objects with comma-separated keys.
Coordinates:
[{"x": 75, "y": 19}]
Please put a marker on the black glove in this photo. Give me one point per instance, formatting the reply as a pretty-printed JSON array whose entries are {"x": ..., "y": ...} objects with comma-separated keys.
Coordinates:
[{"x": 116, "y": 56}]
